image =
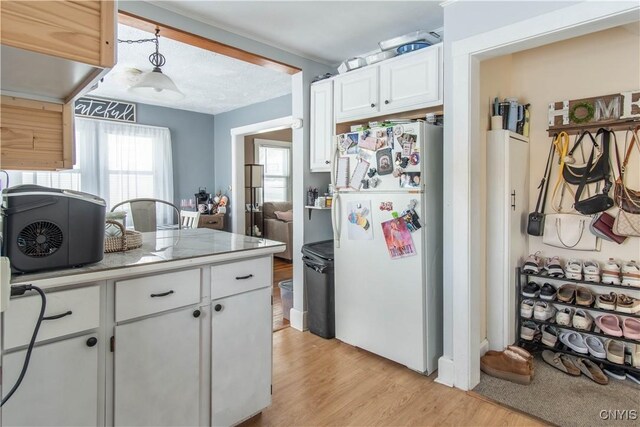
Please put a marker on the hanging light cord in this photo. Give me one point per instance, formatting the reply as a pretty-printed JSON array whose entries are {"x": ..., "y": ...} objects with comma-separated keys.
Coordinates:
[{"x": 156, "y": 58}]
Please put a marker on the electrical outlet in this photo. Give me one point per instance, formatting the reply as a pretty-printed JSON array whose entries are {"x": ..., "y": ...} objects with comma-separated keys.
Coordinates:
[{"x": 5, "y": 279}]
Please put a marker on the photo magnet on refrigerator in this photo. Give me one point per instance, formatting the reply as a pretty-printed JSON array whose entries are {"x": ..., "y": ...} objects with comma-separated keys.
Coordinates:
[{"x": 384, "y": 161}]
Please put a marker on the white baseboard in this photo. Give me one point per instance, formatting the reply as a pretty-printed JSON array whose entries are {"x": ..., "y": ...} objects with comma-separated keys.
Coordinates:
[
  {"x": 484, "y": 347},
  {"x": 446, "y": 371},
  {"x": 298, "y": 319}
]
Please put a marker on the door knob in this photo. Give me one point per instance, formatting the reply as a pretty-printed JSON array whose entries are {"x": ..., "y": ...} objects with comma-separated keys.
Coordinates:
[
  {"x": 218, "y": 307},
  {"x": 196, "y": 313},
  {"x": 92, "y": 341}
]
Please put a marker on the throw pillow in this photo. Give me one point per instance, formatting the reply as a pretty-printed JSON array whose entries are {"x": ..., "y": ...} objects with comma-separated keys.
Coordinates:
[{"x": 286, "y": 216}]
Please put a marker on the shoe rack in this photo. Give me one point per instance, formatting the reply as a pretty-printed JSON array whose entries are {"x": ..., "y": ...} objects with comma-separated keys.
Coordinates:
[{"x": 536, "y": 344}]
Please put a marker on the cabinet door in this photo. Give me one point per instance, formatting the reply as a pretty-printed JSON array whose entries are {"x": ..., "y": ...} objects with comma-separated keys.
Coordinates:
[
  {"x": 356, "y": 95},
  {"x": 411, "y": 82},
  {"x": 60, "y": 387},
  {"x": 241, "y": 356},
  {"x": 157, "y": 367},
  {"x": 321, "y": 126}
]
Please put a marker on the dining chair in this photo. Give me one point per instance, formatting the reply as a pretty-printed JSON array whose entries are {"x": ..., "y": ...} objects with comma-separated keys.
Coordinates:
[
  {"x": 144, "y": 212},
  {"x": 189, "y": 219}
]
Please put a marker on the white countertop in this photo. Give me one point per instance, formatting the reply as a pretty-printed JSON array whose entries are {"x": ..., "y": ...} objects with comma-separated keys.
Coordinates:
[{"x": 161, "y": 250}]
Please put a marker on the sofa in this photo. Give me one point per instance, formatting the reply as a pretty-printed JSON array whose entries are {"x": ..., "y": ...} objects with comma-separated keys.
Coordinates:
[{"x": 278, "y": 229}]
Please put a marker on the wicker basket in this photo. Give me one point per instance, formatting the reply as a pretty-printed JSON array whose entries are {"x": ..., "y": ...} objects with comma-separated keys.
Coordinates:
[{"x": 128, "y": 240}]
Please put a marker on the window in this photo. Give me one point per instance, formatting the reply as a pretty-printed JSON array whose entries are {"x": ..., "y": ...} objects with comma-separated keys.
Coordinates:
[
  {"x": 276, "y": 158},
  {"x": 116, "y": 161}
]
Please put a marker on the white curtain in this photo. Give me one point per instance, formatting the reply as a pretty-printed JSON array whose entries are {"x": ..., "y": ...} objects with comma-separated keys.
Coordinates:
[{"x": 116, "y": 161}]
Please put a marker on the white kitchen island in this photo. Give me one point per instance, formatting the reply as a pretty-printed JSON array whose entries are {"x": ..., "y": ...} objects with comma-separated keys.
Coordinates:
[{"x": 177, "y": 332}]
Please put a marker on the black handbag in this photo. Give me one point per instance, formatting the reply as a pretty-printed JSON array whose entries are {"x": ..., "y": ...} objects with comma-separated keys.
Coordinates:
[
  {"x": 535, "y": 224},
  {"x": 595, "y": 171},
  {"x": 599, "y": 202}
]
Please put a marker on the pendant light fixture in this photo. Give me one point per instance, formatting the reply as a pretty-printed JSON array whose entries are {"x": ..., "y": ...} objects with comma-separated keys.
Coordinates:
[{"x": 155, "y": 84}]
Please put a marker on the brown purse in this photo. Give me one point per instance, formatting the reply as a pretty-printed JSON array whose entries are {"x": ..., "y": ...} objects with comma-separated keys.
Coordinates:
[{"x": 626, "y": 198}]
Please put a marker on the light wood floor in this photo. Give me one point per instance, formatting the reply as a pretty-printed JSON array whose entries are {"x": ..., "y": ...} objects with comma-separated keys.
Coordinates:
[
  {"x": 318, "y": 382},
  {"x": 282, "y": 270}
]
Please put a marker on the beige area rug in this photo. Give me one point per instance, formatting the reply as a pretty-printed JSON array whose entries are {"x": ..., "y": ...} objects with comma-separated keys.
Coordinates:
[{"x": 565, "y": 400}]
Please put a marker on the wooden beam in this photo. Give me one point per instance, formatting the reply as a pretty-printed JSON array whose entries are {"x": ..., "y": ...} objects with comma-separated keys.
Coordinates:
[{"x": 182, "y": 36}]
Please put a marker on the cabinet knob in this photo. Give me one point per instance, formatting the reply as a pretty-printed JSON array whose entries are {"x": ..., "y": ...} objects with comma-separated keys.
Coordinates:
[
  {"x": 386, "y": 101},
  {"x": 196, "y": 313},
  {"x": 92, "y": 341},
  {"x": 373, "y": 105},
  {"x": 326, "y": 162},
  {"x": 218, "y": 307}
]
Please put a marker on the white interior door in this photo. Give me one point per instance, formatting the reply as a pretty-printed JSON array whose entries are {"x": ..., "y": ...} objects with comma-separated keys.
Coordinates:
[
  {"x": 380, "y": 302},
  {"x": 241, "y": 356},
  {"x": 157, "y": 371},
  {"x": 60, "y": 387}
]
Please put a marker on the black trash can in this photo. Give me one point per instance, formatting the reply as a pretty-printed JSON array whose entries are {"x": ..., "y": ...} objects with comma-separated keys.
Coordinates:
[{"x": 318, "y": 277}]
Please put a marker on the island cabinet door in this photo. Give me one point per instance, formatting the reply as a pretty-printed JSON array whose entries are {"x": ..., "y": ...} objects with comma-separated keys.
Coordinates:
[
  {"x": 60, "y": 388},
  {"x": 241, "y": 356},
  {"x": 157, "y": 367}
]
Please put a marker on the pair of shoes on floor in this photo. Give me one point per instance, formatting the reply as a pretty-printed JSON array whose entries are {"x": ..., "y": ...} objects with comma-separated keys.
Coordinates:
[
  {"x": 575, "y": 366},
  {"x": 611, "y": 325},
  {"x": 540, "y": 310},
  {"x": 534, "y": 264},
  {"x": 618, "y": 302},
  {"x": 579, "y": 319},
  {"x": 621, "y": 374},
  {"x": 626, "y": 275},
  {"x": 514, "y": 364}
]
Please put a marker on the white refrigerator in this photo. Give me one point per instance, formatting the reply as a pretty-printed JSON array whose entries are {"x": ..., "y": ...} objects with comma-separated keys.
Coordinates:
[{"x": 388, "y": 286}]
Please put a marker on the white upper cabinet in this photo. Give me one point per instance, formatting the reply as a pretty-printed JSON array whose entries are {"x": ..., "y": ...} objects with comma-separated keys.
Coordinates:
[
  {"x": 407, "y": 82},
  {"x": 322, "y": 127},
  {"x": 356, "y": 94},
  {"x": 411, "y": 81}
]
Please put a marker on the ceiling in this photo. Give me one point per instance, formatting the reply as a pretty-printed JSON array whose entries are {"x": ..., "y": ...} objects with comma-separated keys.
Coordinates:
[
  {"x": 212, "y": 83},
  {"x": 325, "y": 31}
]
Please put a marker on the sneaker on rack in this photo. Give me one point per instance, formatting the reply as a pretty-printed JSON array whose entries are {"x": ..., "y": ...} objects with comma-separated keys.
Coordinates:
[
  {"x": 532, "y": 264},
  {"x": 582, "y": 320},
  {"x": 548, "y": 292},
  {"x": 591, "y": 271},
  {"x": 526, "y": 309},
  {"x": 611, "y": 272},
  {"x": 564, "y": 316},
  {"x": 531, "y": 290},
  {"x": 543, "y": 310},
  {"x": 528, "y": 330},
  {"x": 631, "y": 274},
  {"x": 627, "y": 304},
  {"x": 573, "y": 269},
  {"x": 554, "y": 267},
  {"x": 549, "y": 335},
  {"x": 617, "y": 373}
]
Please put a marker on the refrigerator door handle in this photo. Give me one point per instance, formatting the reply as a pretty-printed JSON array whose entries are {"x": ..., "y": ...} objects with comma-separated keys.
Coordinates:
[
  {"x": 335, "y": 213},
  {"x": 334, "y": 156}
]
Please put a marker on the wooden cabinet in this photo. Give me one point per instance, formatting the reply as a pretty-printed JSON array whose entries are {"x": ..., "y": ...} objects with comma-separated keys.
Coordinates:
[
  {"x": 61, "y": 386},
  {"x": 36, "y": 135},
  {"x": 241, "y": 356},
  {"x": 322, "y": 126},
  {"x": 407, "y": 82},
  {"x": 215, "y": 221},
  {"x": 507, "y": 212},
  {"x": 411, "y": 81},
  {"x": 356, "y": 94},
  {"x": 157, "y": 370}
]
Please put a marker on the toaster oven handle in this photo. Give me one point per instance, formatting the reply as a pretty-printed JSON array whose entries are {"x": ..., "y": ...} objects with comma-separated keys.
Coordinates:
[{"x": 30, "y": 206}]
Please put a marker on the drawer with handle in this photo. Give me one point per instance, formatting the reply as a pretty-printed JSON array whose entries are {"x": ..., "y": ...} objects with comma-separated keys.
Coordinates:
[
  {"x": 67, "y": 312},
  {"x": 154, "y": 294},
  {"x": 242, "y": 276}
]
